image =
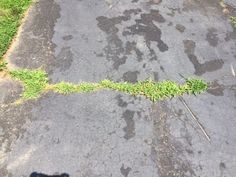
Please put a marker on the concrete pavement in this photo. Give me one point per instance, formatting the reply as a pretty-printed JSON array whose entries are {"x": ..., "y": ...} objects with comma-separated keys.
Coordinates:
[{"x": 112, "y": 134}]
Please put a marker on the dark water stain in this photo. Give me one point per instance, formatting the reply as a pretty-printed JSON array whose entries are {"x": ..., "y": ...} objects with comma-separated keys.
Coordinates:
[
  {"x": 216, "y": 89},
  {"x": 125, "y": 171},
  {"x": 156, "y": 76},
  {"x": 231, "y": 35},
  {"x": 189, "y": 151},
  {"x": 131, "y": 76},
  {"x": 119, "y": 61},
  {"x": 162, "y": 69},
  {"x": 211, "y": 37},
  {"x": 131, "y": 46},
  {"x": 200, "y": 68},
  {"x": 146, "y": 28},
  {"x": 170, "y": 23},
  {"x": 115, "y": 51},
  {"x": 129, "y": 129},
  {"x": 108, "y": 25},
  {"x": 67, "y": 37},
  {"x": 222, "y": 168},
  {"x": 134, "y": 1},
  {"x": 121, "y": 102},
  {"x": 64, "y": 59},
  {"x": 180, "y": 28},
  {"x": 166, "y": 151},
  {"x": 99, "y": 54},
  {"x": 222, "y": 165},
  {"x": 155, "y": 2},
  {"x": 152, "y": 55}
]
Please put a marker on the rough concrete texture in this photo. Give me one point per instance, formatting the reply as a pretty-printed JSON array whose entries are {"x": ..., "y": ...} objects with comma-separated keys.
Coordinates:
[{"x": 111, "y": 134}]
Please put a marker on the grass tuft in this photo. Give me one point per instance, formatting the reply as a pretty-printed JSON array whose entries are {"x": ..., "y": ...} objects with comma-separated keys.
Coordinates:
[
  {"x": 3, "y": 65},
  {"x": 35, "y": 82},
  {"x": 233, "y": 19},
  {"x": 157, "y": 90},
  {"x": 65, "y": 88}
]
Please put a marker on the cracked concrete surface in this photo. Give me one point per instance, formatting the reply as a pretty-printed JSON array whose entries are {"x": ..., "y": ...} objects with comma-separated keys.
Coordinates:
[{"x": 111, "y": 134}]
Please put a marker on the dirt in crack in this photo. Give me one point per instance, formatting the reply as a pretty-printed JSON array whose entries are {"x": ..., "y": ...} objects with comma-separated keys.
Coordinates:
[{"x": 166, "y": 152}]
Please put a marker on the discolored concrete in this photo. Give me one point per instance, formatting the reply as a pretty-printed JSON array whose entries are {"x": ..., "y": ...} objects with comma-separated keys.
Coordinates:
[{"x": 107, "y": 133}]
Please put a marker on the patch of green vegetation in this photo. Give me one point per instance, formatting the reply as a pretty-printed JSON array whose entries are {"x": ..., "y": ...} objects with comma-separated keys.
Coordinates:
[
  {"x": 157, "y": 90},
  {"x": 11, "y": 12},
  {"x": 35, "y": 82},
  {"x": 3, "y": 65},
  {"x": 67, "y": 88},
  {"x": 233, "y": 19}
]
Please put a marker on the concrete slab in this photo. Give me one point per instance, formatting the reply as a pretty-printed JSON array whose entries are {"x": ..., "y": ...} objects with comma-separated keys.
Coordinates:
[{"x": 112, "y": 134}]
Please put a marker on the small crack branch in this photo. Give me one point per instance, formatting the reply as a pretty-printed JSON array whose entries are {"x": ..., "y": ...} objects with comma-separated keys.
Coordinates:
[{"x": 194, "y": 117}]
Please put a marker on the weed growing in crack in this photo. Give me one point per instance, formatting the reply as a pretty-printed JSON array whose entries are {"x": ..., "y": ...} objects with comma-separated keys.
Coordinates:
[
  {"x": 35, "y": 82},
  {"x": 3, "y": 65},
  {"x": 233, "y": 20}
]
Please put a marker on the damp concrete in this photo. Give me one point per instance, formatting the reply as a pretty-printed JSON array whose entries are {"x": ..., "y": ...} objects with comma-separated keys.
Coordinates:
[{"x": 108, "y": 133}]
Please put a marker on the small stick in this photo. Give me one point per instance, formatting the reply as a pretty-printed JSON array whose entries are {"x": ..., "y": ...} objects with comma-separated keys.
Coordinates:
[
  {"x": 195, "y": 118},
  {"x": 232, "y": 70}
]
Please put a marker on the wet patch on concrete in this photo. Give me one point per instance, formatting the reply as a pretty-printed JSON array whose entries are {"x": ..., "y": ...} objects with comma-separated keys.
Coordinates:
[
  {"x": 146, "y": 28},
  {"x": 115, "y": 51},
  {"x": 132, "y": 46},
  {"x": 67, "y": 37},
  {"x": 155, "y": 1},
  {"x": 156, "y": 76},
  {"x": 216, "y": 89},
  {"x": 231, "y": 35},
  {"x": 129, "y": 129},
  {"x": 200, "y": 68},
  {"x": 211, "y": 37},
  {"x": 180, "y": 28},
  {"x": 121, "y": 102},
  {"x": 166, "y": 151},
  {"x": 64, "y": 59},
  {"x": 131, "y": 76},
  {"x": 118, "y": 51},
  {"x": 125, "y": 171}
]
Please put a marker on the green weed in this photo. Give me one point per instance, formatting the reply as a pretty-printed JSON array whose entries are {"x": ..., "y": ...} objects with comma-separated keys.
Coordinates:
[
  {"x": 36, "y": 81},
  {"x": 3, "y": 65},
  {"x": 233, "y": 19}
]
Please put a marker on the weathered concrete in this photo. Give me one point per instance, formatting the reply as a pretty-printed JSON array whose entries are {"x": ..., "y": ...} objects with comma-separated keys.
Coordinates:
[{"x": 108, "y": 133}]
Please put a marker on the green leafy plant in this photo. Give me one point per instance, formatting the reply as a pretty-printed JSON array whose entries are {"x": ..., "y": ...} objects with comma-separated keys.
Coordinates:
[
  {"x": 233, "y": 19},
  {"x": 35, "y": 82},
  {"x": 3, "y": 65}
]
